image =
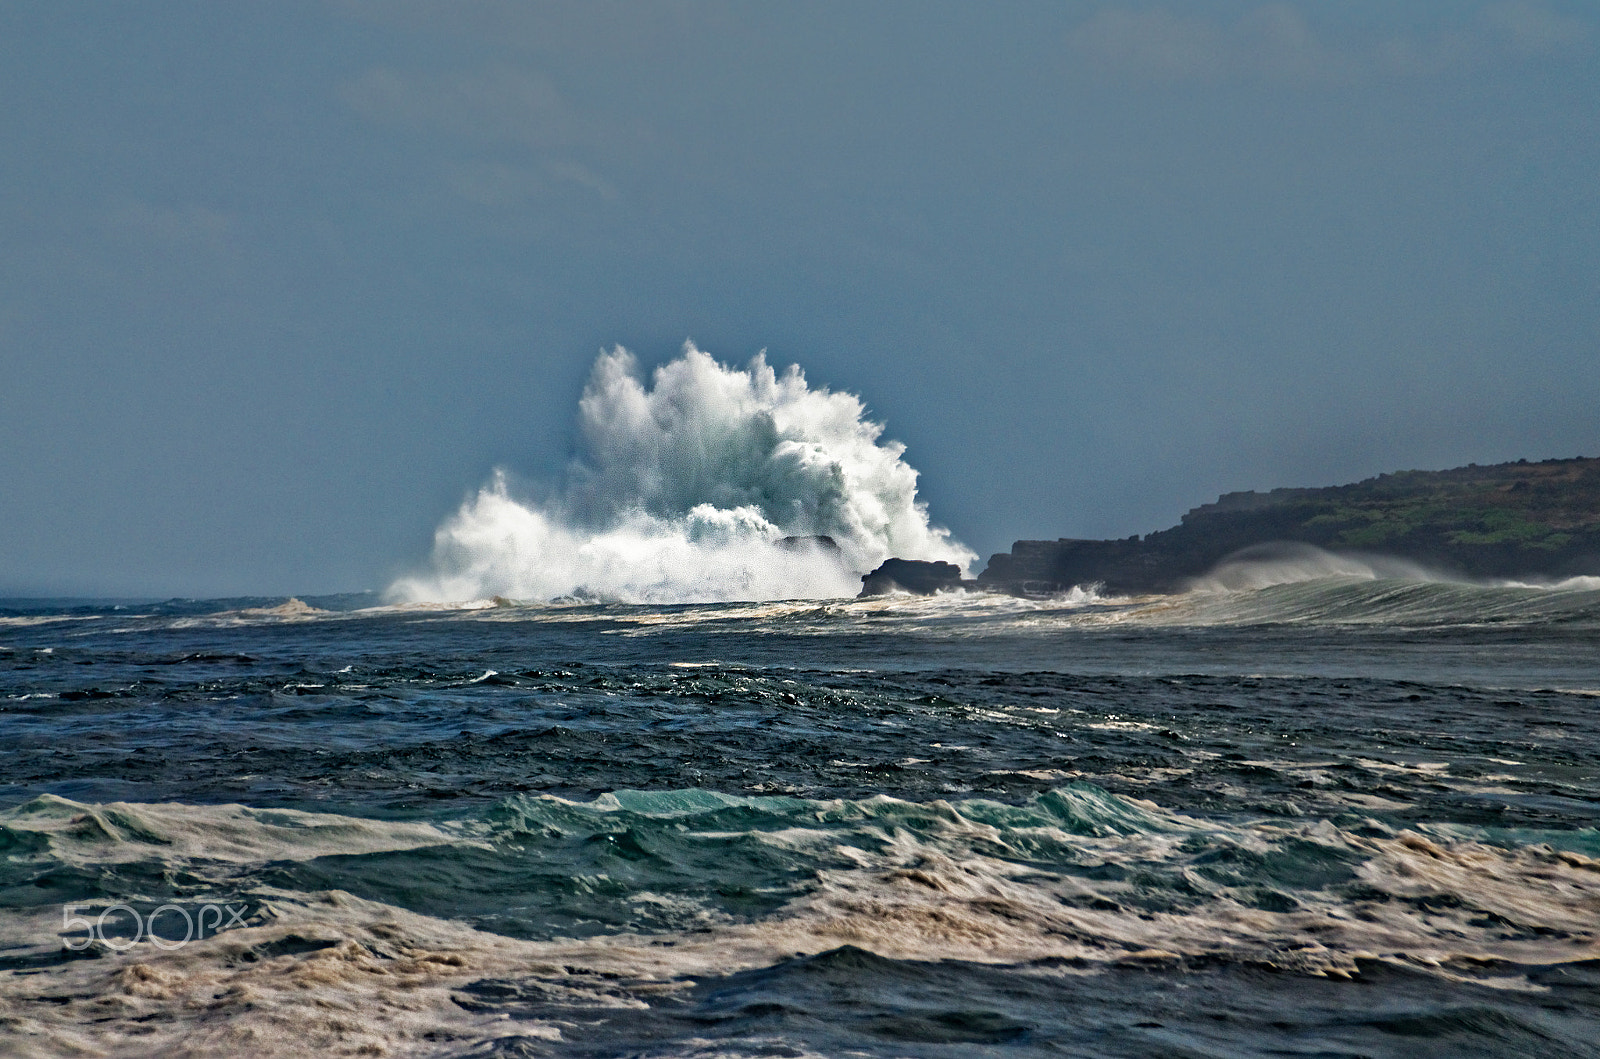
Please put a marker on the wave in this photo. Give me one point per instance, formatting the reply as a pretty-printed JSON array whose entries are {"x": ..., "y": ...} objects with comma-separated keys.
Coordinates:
[
  {"x": 638, "y": 894},
  {"x": 1379, "y": 602},
  {"x": 1302, "y": 584},
  {"x": 78, "y": 833},
  {"x": 1129, "y": 873},
  {"x": 1291, "y": 562},
  {"x": 711, "y": 483}
]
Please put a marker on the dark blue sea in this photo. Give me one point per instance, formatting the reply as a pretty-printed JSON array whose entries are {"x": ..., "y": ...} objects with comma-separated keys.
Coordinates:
[{"x": 1342, "y": 817}]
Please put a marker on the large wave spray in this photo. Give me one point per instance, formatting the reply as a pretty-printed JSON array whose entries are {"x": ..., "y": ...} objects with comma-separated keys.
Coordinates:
[{"x": 684, "y": 490}]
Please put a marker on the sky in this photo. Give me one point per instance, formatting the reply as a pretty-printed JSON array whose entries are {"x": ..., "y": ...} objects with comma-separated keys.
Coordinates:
[{"x": 281, "y": 284}]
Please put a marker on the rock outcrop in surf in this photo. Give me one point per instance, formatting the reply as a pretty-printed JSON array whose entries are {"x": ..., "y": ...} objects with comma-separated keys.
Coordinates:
[{"x": 916, "y": 576}]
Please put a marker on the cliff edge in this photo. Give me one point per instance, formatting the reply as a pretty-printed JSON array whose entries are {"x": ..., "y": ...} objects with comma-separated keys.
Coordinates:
[{"x": 1510, "y": 520}]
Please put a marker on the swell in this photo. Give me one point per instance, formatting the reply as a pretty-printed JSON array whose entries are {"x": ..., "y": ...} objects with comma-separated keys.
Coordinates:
[
  {"x": 1073, "y": 867},
  {"x": 754, "y": 918},
  {"x": 1404, "y": 602},
  {"x": 398, "y": 734}
]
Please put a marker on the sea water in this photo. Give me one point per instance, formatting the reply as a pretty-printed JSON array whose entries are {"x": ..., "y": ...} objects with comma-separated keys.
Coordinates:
[{"x": 1339, "y": 817}]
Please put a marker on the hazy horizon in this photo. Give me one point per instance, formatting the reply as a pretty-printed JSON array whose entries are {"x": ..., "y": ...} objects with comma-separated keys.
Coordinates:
[{"x": 419, "y": 568}]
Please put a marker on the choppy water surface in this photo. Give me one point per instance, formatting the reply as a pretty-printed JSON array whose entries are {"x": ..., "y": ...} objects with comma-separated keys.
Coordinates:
[{"x": 1331, "y": 818}]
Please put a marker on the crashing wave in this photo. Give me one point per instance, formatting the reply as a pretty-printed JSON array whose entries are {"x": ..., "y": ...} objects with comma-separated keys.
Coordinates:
[{"x": 682, "y": 491}]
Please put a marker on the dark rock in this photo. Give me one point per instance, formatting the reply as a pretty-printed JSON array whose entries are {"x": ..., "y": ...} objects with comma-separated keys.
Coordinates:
[
  {"x": 912, "y": 575},
  {"x": 820, "y": 541}
]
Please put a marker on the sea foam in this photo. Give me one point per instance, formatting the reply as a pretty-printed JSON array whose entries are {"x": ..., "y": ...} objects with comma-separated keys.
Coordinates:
[{"x": 682, "y": 490}]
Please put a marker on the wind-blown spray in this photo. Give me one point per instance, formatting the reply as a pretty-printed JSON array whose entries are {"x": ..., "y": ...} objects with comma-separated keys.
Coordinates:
[{"x": 683, "y": 491}]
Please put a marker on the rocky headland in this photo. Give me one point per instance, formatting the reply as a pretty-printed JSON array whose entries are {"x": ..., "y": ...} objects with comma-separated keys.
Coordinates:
[{"x": 1509, "y": 520}]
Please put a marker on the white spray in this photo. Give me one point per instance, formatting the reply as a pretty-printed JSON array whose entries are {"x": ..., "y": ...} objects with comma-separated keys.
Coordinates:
[
  {"x": 683, "y": 490},
  {"x": 1290, "y": 562}
]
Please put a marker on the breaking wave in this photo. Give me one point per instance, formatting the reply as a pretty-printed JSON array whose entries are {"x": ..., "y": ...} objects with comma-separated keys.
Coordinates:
[
  {"x": 1291, "y": 582},
  {"x": 710, "y": 483},
  {"x": 1290, "y": 562}
]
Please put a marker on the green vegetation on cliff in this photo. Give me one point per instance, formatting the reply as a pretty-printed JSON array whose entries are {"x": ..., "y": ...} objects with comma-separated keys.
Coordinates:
[
  {"x": 1509, "y": 520},
  {"x": 1532, "y": 505}
]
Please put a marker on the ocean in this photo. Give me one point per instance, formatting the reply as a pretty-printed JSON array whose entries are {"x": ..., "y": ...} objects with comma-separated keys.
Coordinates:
[{"x": 1337, "y": 817}]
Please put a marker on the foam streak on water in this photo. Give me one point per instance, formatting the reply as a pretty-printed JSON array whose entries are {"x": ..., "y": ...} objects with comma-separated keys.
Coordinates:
[{"x": 706, "y": 889}]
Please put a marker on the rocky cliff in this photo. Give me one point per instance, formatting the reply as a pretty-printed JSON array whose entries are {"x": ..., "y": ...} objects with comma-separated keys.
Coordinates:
[{"x": 1509, "y": 520}]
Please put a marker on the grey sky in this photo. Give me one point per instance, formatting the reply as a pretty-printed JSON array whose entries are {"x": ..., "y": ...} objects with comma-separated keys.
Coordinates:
[{"x": 279, "y": 284}]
